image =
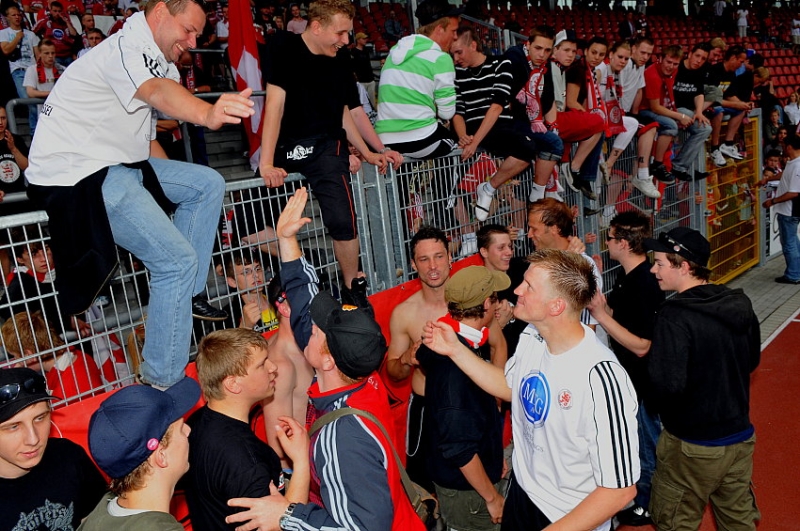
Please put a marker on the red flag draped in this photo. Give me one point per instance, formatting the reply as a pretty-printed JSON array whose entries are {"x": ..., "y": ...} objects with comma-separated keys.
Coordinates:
[{"x": 243, "y": 53}]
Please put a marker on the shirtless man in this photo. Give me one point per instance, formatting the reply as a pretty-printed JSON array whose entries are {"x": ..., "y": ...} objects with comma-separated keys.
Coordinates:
[
  {"x": 294, "y": 372},
  {"x": 431, "y": 260}
]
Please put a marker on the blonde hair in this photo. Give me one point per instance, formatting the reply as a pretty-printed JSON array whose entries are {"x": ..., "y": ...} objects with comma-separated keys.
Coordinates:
[
  {"x": 428, "y": 29},
  {"x": 570, "y": 276},
  {"x": 29, "y": 332},
  {"x": 324, "y": 10},
  {"x": 225, "y": 353},
  {"x": 135, "y": 480}
]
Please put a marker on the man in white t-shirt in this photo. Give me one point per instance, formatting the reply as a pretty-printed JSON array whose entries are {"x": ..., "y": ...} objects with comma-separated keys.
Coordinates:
[
  {"x": 19, "y": 46},
  {"x": 787, "y": 209},
  {"x": 40, "y": 78},
  {"x": 93, "y": 148},
  {"x": 573, "y": 406}
]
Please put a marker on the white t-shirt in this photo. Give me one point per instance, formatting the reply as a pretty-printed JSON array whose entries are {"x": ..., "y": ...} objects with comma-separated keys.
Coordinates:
[
  {"x": 223, "y": 31},
  {"x": 790, "y": 182},
  {"x": 632, "y": 79},
  {"x": 26, "y": 45},
  {"x": 32, "y": 80},
  {"x": 574, "y": 422},
  {"x": 742, "y": 14},
  {"x": 91, "y": 119}
]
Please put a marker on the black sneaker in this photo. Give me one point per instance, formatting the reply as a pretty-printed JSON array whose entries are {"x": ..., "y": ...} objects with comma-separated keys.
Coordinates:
[
  {"x": 785, "y": 280},
  {"x": 634, "y": 516},
  {"x": 681, "y": 175},
  {"x": 202, "y": 310},
  {"x": 660, "y": 172},
  {"x": 584, "y": 187},
  {"x": 356, "y": 294}
]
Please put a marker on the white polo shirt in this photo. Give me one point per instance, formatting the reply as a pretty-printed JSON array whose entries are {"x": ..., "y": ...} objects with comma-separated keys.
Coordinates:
[
  {"x": 790, "y": 182},
  {"x": 91, "y": 119}
]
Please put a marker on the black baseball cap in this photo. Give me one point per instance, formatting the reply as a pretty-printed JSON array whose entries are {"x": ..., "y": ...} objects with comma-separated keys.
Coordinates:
[
  {"x": 129, "y": 424},
  {"x": 20, "y": 388},
  {"x": 432, "y": 10},
  {"x": 682, "y": 241},
  {"x": 354, "y": 337}
]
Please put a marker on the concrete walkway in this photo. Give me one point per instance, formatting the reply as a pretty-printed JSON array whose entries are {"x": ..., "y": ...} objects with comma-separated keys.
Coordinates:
[{"x": 774, "y": 303}]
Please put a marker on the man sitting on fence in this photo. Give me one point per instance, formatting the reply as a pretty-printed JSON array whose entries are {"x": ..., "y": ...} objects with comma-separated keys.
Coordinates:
[
  {"x": 659, "y": 104},
  {"x": 407, "y": 112},
  {"x": 485, "y": 88},
  {"x": 306, "y": 133},
  {"x": 122, "y": 192}
]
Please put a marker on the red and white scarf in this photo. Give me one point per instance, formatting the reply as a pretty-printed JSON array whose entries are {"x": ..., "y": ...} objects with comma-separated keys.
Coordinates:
[
  {"x": 531, "y": 95},
  {"x": 474, "y": 337}
]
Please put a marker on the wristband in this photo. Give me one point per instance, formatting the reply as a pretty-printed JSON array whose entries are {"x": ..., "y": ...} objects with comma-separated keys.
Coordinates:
[
  {"x": 286, "y": 515},
  {"x": 384, "y": 150}
]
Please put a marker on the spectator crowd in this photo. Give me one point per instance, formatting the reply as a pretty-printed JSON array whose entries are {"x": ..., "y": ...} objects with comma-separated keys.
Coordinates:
[{"x": 519, "y": 392}]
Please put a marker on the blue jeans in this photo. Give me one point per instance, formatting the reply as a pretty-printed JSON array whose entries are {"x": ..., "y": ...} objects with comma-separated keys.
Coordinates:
[
  {"x": 18, "y": 76},
  {"x": 649, "y": 430},
  {"x": 698, "y": 134},
  {"x": 787, "y": 225},
  {"x": 177, "y": 253}
]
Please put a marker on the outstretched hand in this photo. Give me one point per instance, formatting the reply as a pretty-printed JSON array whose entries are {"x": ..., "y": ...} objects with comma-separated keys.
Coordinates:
[
  {"x": 440, "y": 338},
  {"x": 291, "y": 219},
  {"x": 230, "y": 108}
]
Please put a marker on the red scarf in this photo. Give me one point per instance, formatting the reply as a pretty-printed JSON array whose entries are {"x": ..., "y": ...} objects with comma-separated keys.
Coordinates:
[
  {"x": 43, "y": 76},
  {"x": 594, "y": 99},
  {"x": 531, "y": 95},
  {"x": 456, "y": 325},
  {"x": 41, "y": 277}
]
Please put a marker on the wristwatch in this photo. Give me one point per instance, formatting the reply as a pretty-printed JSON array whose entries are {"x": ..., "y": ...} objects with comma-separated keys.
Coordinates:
[{"x": 286, "y": 515}]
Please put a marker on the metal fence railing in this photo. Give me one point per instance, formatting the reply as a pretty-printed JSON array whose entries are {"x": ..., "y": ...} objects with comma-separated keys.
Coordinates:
[{"x": 390, "y": 209}]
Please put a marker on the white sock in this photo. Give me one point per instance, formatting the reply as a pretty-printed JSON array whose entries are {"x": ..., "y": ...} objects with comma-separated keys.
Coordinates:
[
  {"x": 643, "y": 173},
  {"x": 491, "y": 189},
  {"x": 537, "y": 191}
]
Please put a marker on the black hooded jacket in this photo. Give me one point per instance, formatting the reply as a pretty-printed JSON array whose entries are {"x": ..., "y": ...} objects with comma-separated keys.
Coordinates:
[{"x": 706, "y": 343}]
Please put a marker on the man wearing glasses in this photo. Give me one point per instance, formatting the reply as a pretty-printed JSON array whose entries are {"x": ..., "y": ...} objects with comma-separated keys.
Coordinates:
[
  {"x": 628, "y": 316},
  {"x": 706, "y": 343},
  {"x": 53, "y": 489},
  {"x": 125, "y": 188}
]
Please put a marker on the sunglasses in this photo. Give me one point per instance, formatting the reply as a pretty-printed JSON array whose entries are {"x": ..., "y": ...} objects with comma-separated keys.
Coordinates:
[{"x": 10, "y": 392}]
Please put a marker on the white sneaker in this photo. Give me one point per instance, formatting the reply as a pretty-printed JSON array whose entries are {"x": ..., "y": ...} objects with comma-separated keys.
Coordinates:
[
  {"x": 731, "y": 151},
  {"x": 605, "y": 219},
  {"x": 484, "y": 201},
  {"x": 646, "y": 186},
  {"x": 554, "y": 195},
  {"x": 718, "y": 158}
]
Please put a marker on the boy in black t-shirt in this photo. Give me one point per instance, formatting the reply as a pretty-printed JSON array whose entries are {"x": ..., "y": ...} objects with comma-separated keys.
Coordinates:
[
  {"x": 226, "y": 459},
  {"x": 735, "y": 102},
  {"x": 44, "y": 483}
]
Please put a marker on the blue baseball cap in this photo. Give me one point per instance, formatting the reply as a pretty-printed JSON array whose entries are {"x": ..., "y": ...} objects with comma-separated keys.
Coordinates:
[{"x": 129, "y": 424}]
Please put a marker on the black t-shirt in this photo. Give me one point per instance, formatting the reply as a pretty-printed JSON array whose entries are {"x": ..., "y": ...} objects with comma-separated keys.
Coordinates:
[
  {"x": 226, "y": 461},
  {"x": 317, "y": 88},
  {"x": 362, "y": 65},
  {"x": 688, "y": 84},
  {"x": 576, "y": 75},
  {"x": 11, "y": 176},
  {"x": 56, "y": 494},
  {"x": 512, "y": 331},
  {"x": 741, "y": 87},
  {"x": 719, "y": 77},
  {"x": 465, "y": 421},
  {"x": 635, "y": 299},
  {"x": 520, "y": 72}
]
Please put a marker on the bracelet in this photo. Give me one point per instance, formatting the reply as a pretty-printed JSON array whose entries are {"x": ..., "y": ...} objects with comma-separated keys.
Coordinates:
[
  {"x": 284, "y": 519},
  {"x": 384, "y": 150}
]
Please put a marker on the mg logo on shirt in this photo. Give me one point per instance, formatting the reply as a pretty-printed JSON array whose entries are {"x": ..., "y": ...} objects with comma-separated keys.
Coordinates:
[{"x": 534, "y": 394}]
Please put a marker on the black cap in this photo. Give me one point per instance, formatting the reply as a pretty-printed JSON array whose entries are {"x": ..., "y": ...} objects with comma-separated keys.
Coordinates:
[
  {"x": 20, "y": 388},
  {"x": 354, "y": 337},
  {"x": 682, "y": 241},
  {"x": 432, "y": 10}
]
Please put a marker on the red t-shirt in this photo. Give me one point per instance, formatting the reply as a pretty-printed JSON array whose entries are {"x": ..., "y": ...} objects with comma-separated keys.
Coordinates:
[
  {"x": 658, "y": 87},
  {"x": 80, "y": 376}
]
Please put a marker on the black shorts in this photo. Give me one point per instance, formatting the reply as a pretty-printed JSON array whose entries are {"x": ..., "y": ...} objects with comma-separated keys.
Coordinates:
[
  {"x": 511, "y": 139},
  {"x": 326, "y": 167},
  {"x": 519, "y": 512},
  {"x": 438, "y": 144}
]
